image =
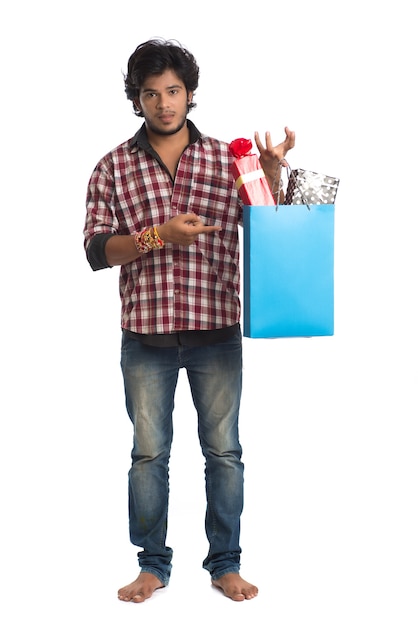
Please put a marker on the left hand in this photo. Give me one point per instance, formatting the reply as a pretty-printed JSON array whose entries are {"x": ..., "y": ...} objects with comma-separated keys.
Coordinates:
[{"x": 271, "y": 155}]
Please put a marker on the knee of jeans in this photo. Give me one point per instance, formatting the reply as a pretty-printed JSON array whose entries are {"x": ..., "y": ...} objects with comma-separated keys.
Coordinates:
[
  {"x": 151, "y": 445},
  {"x": 219, "y": 434},
  {"x": 221, "y": 445}
]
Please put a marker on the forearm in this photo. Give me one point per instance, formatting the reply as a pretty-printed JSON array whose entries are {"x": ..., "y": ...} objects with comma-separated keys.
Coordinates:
[
  {"x": 274, "y": 179},
  {"x": 110, "y": 250},
  {"x": 121, "y": 249}
]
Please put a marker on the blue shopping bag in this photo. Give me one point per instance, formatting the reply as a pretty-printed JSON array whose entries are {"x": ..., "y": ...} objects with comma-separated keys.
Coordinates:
[{"x": 288, "y": 270}]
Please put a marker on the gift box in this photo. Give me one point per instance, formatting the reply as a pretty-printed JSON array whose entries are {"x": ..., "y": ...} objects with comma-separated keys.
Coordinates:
[
  {"x": 308, "y": 188},
  {"x": 250, "y": 180}
]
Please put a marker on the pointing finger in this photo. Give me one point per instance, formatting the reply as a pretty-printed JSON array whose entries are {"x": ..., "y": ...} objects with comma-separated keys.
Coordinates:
[{"x": 211, "y": 229}]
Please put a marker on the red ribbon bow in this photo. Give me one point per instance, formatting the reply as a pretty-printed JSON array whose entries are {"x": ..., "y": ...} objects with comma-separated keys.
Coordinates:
[{"x": 240, "y": 147}]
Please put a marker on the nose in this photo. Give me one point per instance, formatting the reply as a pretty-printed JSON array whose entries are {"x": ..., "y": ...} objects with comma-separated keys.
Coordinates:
[{"x": 163, "y": 101}]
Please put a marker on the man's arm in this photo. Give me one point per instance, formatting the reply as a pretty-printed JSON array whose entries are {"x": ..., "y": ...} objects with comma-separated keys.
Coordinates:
[
  {"x": 271, "y": 156},
  {"x": 182, "y": 229}
]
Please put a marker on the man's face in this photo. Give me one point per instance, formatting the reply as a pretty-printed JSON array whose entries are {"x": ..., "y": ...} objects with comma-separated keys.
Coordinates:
[{"x": 164, "y": 102}]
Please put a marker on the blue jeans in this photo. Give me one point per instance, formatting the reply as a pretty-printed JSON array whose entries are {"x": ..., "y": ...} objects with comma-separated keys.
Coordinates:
[{"x": 215, "y": 377}]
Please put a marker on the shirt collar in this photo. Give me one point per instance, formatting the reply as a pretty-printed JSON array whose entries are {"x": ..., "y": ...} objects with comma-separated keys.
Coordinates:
[{"x": 140, "y": 139}]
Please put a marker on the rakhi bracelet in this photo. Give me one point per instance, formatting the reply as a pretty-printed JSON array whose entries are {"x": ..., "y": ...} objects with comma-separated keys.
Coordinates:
[
  {"x": 277, "y": 183},
  {"x": 152, "y": 239},
  {"x": 147, "y": 240},
  {"x": 141, "y": 247},
  {"x": 280, "y": 187}
]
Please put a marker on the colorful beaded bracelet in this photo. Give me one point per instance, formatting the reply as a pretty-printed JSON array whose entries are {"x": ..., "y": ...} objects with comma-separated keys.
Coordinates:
[{"x": 148, "y": 239}]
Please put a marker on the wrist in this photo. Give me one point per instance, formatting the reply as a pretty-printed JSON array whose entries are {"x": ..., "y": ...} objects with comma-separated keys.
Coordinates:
[
  {"x": 161, "y": 230},
  {"x": 147, "y": 240}
]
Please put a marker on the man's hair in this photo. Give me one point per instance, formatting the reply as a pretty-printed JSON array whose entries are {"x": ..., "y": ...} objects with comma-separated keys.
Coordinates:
[{"x": 154, "y": 57}]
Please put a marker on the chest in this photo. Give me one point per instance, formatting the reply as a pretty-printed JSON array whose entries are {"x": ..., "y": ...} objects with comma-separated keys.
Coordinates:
[
  {"x": 192, "y": 180},
  {"x": 171, "y": 164},
  {"x": 171, "y": 159}
]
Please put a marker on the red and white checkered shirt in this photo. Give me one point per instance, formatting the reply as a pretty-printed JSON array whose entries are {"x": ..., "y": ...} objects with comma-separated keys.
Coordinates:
[{"x": 174, "y": 288}]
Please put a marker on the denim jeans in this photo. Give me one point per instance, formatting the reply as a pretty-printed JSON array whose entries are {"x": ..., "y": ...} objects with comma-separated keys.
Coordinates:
[{"x": 215, "y": 377}]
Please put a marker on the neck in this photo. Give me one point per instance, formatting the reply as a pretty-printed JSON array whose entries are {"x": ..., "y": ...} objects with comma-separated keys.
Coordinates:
[
  {"x": 177, "y": 139},
  {"x": 170, "y": 147}
]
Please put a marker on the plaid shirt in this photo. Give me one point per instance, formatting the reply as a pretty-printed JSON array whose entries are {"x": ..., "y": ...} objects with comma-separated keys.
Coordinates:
[{"x": 174, "y": 288}]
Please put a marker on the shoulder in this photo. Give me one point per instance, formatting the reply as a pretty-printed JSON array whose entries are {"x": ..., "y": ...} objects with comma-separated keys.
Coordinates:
[
  {"x": 216, "y": 147},
  {"x": 121, "y": 153},
  {"x": 129, "y": 146},
  {"x": 206, "y": 141}
]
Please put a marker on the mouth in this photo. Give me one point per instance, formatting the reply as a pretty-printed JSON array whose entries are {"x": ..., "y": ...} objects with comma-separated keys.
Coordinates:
[{"x": 166, "y": 118}]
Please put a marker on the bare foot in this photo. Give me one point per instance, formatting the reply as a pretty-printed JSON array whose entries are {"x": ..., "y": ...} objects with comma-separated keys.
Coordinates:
[
  {"x": 235, "y": 587},
  {"x": 141, "y": 589}
]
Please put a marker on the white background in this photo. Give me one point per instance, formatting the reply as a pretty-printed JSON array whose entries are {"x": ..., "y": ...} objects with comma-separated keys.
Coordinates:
[{"x": 328, "y": 425}]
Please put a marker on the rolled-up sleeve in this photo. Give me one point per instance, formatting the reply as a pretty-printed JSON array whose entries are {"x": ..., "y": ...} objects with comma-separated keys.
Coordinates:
[{"x": 101, "y": 222}]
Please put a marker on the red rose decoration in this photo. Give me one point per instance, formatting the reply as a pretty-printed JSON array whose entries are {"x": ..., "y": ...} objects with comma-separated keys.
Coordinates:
[{"x": 240, "y": 147}]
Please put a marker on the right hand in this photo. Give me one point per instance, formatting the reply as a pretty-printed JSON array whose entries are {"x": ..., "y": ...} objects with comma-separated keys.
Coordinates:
[{"x": 184, "y": 228}]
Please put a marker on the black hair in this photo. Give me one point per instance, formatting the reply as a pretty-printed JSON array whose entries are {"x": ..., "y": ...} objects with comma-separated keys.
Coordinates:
[{"x": 155, "y": 57}]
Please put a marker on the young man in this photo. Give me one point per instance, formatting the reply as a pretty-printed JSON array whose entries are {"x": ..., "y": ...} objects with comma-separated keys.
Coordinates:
[{"x": 164, "y": 207}]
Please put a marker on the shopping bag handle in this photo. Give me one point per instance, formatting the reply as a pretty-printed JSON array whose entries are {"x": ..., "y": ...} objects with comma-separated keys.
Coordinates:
[{"x": 279, "y": 182}]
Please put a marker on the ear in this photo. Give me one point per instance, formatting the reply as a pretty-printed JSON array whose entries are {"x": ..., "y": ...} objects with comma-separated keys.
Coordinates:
[
  {"x": 137, "y": 104},
  {"x": 189, "y": 97}
]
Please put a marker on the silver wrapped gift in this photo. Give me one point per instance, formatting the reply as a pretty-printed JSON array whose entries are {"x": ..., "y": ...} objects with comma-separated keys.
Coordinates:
[{"x": 306, "y": 187}]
